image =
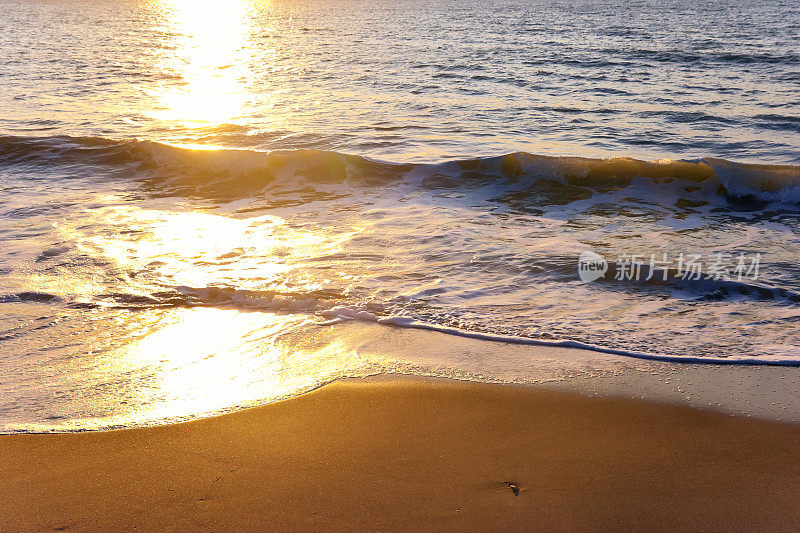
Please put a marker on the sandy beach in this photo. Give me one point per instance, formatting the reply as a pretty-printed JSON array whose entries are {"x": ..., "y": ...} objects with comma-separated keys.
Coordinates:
[{"x": 400, "y": 454}]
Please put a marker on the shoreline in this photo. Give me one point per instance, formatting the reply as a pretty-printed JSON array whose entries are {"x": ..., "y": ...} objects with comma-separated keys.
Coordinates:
[
  {"x": 369, "y": 349},
  {"x": 396, "y": 453}
]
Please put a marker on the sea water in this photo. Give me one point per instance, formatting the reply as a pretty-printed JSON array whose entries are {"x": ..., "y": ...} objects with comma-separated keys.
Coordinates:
[{"x": 198, "y": 196}]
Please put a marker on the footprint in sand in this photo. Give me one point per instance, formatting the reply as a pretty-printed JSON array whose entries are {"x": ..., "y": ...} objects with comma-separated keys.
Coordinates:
[{"x": 515, "y": 488}]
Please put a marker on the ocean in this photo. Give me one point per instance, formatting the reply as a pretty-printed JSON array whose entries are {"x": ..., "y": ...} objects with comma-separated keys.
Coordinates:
[{"x": 201, "y": 200}]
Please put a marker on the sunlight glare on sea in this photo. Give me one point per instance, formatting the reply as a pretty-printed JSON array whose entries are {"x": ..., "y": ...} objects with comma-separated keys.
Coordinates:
[{"x": 209, "y": 54}]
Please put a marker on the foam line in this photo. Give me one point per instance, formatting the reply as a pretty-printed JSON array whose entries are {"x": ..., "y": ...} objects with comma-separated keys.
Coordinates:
[{"x": 408, "y": 322}]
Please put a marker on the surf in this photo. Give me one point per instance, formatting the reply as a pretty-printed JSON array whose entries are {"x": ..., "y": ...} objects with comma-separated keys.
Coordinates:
[{"x": 228, "y": 172}]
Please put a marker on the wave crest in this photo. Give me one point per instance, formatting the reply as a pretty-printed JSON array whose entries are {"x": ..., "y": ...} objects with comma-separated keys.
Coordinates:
[{"x": 234, "y": 173}]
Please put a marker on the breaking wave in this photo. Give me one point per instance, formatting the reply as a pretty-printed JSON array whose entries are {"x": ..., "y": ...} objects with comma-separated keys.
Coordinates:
[{"x": 230, "y": 173}]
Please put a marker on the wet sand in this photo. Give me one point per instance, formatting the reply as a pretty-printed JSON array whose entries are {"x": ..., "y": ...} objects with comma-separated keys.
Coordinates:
[{"x": 400, "y": 454}]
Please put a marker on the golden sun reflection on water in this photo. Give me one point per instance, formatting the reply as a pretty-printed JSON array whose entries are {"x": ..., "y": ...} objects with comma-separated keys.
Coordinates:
[
  {"x": 196, "y": 249},
  {"x": 168, "y": 358},
  {"x": 203, "y": 360},
  {"x": 210, "y": 56}
]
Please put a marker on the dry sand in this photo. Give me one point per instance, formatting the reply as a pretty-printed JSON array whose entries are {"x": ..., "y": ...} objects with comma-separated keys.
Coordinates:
[{"x": 414, "y": 455}]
